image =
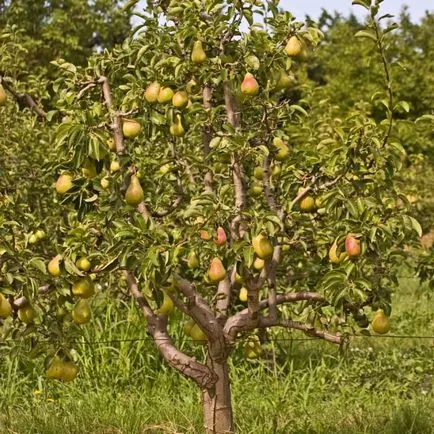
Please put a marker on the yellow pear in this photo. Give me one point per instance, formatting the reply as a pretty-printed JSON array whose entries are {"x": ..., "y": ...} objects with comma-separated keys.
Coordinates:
[
  {"x": 258, "y": 173},
  {"x": 167, "y": 305},
  {"x": 81, "y": 312},
  {"x": 307, "y": 204},
  {"x": 134, "y": 194},
  {"x": 5, "y": 307},
  {"x": 130, "y": 128},
  {"x": 243, "y": 294},
  {"x": 258, "y": 264},
  {"x": 3, "y": 95},
  {"x": 188, "y": 326},
  {"x": 198, "y": 335},
  {"x": 83, "y": 287},
  {"x": 115, "y": 166},
  {"x": 216, "y": 271},
  {"x": 27, "y": 314},
  {"x": 33, "y": 239},
  {"x": 55, "y": 369},
  {"x": 177, "y": 129},
  {"x": 89, "y": 168},
  {"x": 40, "y": 234},
  {"x": 69, "y": 371},
  {"x": 285, "y": 81},
  {"x": 262, "y": 246},
  {"x": 165, "y": 95},
  {"x": 380, "y": 323},
  {"x": 111, "y": 144},
  {"x": 64, "y": 183},
  {"x": 193, "y": 260},
  {"x": 54, "y": 266},
  {"x": 294, "y": 46},
  {"x": 282, "y": 149},
  {"x": 180, "y": 99},
  {"x": 83, "y": 264},
  {"x": 105, "y": 182},
  {"x": 198, "y": 54},
  {"x": 152, "y": 91},
  {"x": 334, "y": 257},
  {"x": 256, "y": 190},
  {"x": 249, "y": 86}
]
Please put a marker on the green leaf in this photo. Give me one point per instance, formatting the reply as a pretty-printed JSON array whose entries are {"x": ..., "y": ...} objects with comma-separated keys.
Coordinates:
[
  {"x": 416, "y": 226},
  {"x": 366, "y": 34}
]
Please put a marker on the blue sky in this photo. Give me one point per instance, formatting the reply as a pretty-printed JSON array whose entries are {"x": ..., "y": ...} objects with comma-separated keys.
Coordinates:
[{"x": 313, "y": 7}]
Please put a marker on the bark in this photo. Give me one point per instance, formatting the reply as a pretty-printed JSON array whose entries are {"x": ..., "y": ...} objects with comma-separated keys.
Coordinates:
[{"x": 217, "y": 405}]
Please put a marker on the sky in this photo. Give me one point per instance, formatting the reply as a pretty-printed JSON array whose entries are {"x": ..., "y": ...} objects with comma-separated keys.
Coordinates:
[{"x": 300, "y": 8}]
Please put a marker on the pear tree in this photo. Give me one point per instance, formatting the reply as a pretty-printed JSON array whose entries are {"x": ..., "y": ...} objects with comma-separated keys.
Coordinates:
[{"x": 238, "y": 209}]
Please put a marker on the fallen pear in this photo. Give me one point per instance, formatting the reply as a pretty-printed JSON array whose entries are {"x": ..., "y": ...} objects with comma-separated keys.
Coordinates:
[
  {"x": 152, "y": 92},
  {"x": 177, "y": 129},
  {"x": 252, "y": 349},
  {"x": 243, "y": 294},
  {"x": 130, "y": 128},
  {"x": 81, "y": 312},
  {"x": 220, "y": 240},
  {"x": 188, "y": 326},
  {"x": 27, "y": 314},
  {"x": 89, "y": 169},
  {"x": 352, "y": 246},
  {"x": 134, "y": 194},
  {"x": 262, "y": 246},
  {"x": 166, "y": 306},
  {"x": 249, "y": 86},
  {"x": 216, "y": 271},
  {"x": 334, "y": 257},
  {"x": 198, "y": 54},
  {"x": 193, "y": 260},
  {"x": 5, "y": 307},
  {"x": 69, "y": 371},
  {"x": 83, "y": 264},
  {"x": 293, "y": 47},
  {"x": 55, "y": 369},
  {"x": 380, "y": 323},
  {"x": 83, "y": 287},
  {"x": 54, "y": 266},
  {"x": 197, "y": 334},
  {"x": 282, "y": 149},
  {"x": 64, "y": 183},
  {"x": 165, "y": 95},
  {"x": 180, "y": 99},
  {"x": 3, "y": 95}
]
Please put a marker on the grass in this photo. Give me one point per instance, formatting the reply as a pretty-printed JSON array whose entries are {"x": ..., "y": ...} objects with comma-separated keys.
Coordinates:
[{"x": 374, "y": 386}]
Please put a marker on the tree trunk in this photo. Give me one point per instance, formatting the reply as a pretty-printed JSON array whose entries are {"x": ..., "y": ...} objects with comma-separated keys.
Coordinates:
[{"x": 217, "y": 405}]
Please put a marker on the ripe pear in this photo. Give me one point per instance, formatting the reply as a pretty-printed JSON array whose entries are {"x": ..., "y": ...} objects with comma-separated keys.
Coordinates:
[
  {"x": 262, "y": 246},
  {"x": 282, "y": 149},
  {"x": 40, "y": 234},
  {"x": 167, "y": 305},
  {"x": 198, "y": 336},
  {"x": 258, "y": 173},
  {"x": 249, "y": 86},
  {"x": 69, "y": 371},
  {"x": 165, "y": 95},
  {"x": 180, "y": 99},
  {"x": 205, "y": 235},
  {"x": 134, "y": 194},
  {"x": 81, "y": 312},
  {"x": 293, "y": 47},
  {"x": 256, "y": 190},
  {"x": 111, "y": 144},
  {"x": 216, "y": 271},
  {"x": 177, "y": 129},
  {"x": 243, "y": 294},
  {"x": 152, "y": 91},
  {"x": 89, "y": 168},
  {"x": 285, "y": 81},
  {"x": 54, "y": 266},
  {"x": 193, "y": 260},
  {"x": 5, "y": 307},
  {"x": 220, "y": 240},
  {"x": 83, "y": 287},
  {"x": 115, "y": 166},
  {"x": 307, "y": 204},
  {"x": 105, "y": 182},
  {"x": 130, "y": 128},
  {"x": 55, "y": 369},
  {"x": 64, "y": 183},
  {"x": 83, "y": 264},
  {"x": 352, "y": 246},
  {"x": 27, "y": 314},
  {"x": 3, "y": 95},
  {"x": 198, "y": 54},
  {"x": 334, "y": 257},
  {"x": 33, "y": 239},
  {"x": 258, "y": 264},
  {"x": 380, "y": 323}
]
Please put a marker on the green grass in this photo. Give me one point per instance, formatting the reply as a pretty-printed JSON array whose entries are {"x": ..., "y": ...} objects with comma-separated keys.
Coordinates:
[{"x": 374, "y": 386}]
